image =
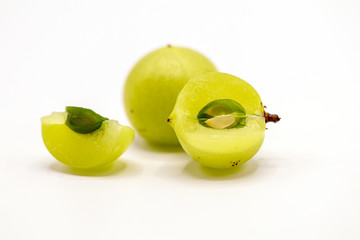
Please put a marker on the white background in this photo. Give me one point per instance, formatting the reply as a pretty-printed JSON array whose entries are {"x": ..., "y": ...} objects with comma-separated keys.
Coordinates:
[{"x": 303, "y": 57}]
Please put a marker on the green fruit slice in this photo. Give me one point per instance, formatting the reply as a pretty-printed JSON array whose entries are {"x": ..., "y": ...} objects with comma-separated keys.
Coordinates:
[
  {"x": 81, "y": 138},
  {"x": 219, "y": 120},
  {"x": 152, "y": 87}
]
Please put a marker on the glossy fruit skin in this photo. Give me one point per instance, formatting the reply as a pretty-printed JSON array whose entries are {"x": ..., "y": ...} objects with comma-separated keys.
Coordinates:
[
  {"x": 218, "y": 148},
  {"x": 152, "y": 87},
  {"x": 86, "y": 151}
]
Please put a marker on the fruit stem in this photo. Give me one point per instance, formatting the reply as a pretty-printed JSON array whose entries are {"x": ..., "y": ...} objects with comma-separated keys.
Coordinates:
[{"x": 271, "y": 117}]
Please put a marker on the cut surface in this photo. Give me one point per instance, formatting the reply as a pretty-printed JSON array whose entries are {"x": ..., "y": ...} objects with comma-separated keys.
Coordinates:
[
  {"x": 219, "y": 144},
  {"x": 91, "y": 150}
]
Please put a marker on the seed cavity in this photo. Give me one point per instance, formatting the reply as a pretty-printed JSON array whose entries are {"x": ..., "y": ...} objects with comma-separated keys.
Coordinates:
[
  {"x": 222, "y": 114},
  {"x": 218, "y": 110}
]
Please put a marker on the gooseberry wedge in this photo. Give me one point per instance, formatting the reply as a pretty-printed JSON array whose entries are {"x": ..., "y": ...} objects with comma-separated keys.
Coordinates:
[
  {"x": 152, "y": 86},
  {"x": 219, "y": 120},
  {"x": 81, "y": 138}
]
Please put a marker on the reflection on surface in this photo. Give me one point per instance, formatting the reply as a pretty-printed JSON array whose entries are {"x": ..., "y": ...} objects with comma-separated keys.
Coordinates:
[
  {"x": 142, "y": 144},
  {"x": 194, "y": 169},
  {"x": 117, "y": 168}
]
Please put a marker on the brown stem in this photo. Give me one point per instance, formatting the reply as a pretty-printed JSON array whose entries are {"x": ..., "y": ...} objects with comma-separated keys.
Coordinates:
[{"x": 271, "y": 117}]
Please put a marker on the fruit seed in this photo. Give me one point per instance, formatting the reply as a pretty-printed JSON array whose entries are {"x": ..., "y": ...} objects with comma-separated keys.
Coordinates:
[{"x": 221, "y": 122}]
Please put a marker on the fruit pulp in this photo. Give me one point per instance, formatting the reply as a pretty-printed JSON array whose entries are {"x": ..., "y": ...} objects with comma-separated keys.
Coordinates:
[
  {"x": 218, "y": 148},
  {"x": 90, "y": 150}
]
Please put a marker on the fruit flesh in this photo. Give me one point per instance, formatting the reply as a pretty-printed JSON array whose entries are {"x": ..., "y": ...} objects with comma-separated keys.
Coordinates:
[
  {"x": 91, "y": 150},
  {"x": 152, "y": 87},
  {"x": 218, "y": 148}
]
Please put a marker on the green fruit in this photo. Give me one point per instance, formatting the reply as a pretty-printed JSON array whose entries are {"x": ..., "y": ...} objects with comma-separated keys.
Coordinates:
[
  {"x": 219, "y": 120},
  {"x": 152, "y": 86},
  {"x": 81, "y": 138}
]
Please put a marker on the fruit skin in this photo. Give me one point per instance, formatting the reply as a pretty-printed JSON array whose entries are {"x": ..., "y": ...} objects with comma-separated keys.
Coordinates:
[
  {"x": 152, "y": 86},
  {"x": 91, "y": 150},
  {"x": 218, "y": 148}
]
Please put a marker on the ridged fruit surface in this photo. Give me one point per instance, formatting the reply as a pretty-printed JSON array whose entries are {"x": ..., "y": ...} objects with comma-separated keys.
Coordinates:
[{"x": 152, "y": 87}]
